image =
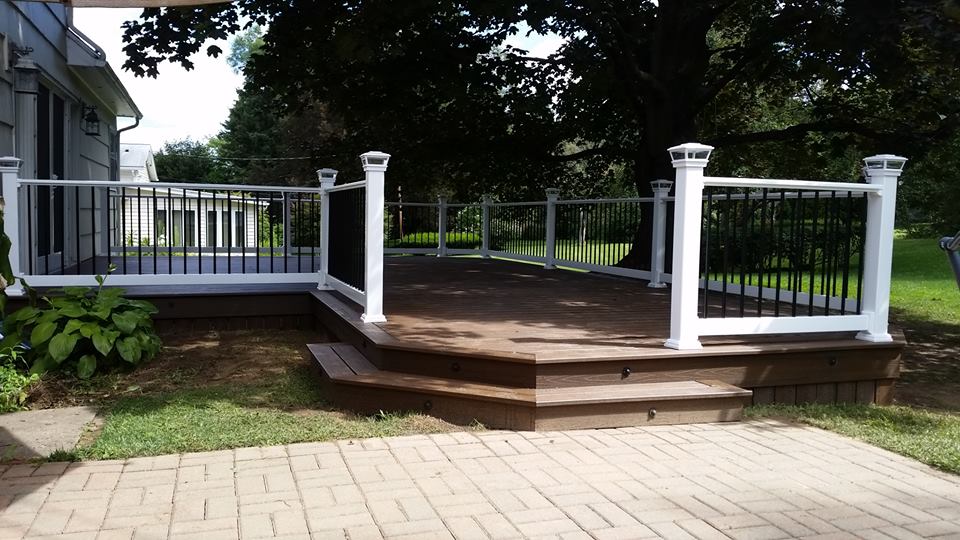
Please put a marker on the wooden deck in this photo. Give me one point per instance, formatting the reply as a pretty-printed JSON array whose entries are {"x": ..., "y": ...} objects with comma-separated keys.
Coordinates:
[{"x": 494, "y": 326}]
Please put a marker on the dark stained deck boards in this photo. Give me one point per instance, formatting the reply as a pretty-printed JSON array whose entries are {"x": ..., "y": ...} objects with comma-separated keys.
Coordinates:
[{"x": 514, "y": 309}]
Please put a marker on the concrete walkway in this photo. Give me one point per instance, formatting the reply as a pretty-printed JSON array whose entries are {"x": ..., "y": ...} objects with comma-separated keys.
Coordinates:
[
  {"x": 35, "y": 434},
  {"x": 753, "y": 480}
]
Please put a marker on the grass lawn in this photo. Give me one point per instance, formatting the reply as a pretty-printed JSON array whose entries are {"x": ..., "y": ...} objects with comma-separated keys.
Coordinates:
[
  {"x": 217, "y": 390},
  {"x": 925, "y": 422}
]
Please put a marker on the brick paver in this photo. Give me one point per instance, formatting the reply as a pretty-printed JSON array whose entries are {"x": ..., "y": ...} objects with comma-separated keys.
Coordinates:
[{"x": 752, "y": 480}]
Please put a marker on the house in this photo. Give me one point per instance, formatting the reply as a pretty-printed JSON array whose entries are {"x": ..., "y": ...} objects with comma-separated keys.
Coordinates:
[
  {"x": 175, "y": 217},
  {"x": 59, "y": 104},
  {"x": 136, "y": 163}
]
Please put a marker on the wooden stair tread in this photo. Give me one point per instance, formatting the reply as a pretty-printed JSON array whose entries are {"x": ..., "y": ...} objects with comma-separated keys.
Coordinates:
[
  {"x": 621, "y": 393},
  {"x": 344, "y": 364}
]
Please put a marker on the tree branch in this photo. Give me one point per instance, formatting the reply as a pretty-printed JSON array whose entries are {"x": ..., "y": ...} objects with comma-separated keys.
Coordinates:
[{"x": 578, "y": 155}]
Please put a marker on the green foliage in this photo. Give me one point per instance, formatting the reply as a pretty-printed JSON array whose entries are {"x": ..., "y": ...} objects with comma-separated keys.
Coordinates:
[
  {"x": 85, "y": 330},
  {"x": 429, "y": 240},
  {"x": 244, "y": 45},
  {"x": 187, "y": 160},
  {"x": 14, "y": 383}
]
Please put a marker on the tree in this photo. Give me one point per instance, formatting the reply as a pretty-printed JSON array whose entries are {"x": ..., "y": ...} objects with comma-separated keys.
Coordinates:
[
  {"x": 433, "y": 83},
  {"x": 187, "y": 160}
]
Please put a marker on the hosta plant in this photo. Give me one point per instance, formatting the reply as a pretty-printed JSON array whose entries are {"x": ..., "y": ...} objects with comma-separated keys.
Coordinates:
[{"x": 85, "y": 330}]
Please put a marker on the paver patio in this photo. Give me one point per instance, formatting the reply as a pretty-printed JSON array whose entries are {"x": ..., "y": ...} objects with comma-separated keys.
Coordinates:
[{"x": 751, "y": 480}]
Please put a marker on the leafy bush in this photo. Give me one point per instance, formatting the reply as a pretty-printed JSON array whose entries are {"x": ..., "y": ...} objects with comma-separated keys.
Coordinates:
[
  {"x": 14, "y": 384},
  {"x": 455, "y": 240},
  {"x": 85, "y": 330}
]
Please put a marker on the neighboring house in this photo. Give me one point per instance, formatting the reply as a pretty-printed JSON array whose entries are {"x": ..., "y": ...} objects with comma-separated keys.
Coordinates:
[
  {"x": 173, "y": 217},
  {"x": 59, "y": 104},
  {"x": 136, "y": 163}
]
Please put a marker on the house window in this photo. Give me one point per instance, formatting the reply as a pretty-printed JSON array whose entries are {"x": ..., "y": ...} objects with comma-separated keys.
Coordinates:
[
  {"x": 189, "y": 228},
  {"x": 211, "y": 228},
  {"x": 177, "y": 226},
  {"x": 225, "y": 218},
  {"x": 239, "y": 223},
  {"x": 160, "y": 227}
]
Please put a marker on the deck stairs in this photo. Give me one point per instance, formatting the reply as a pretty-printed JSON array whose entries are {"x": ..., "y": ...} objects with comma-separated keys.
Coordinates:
[{"x": 355, "y": 383}]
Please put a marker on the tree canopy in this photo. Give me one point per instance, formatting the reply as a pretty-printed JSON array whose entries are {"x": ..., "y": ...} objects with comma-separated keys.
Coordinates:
[{"x": 435, "y": 83}]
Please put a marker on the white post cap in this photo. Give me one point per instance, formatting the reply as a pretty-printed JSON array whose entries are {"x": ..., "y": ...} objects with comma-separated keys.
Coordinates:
[
  {"x": 690, "y": 154},
  {"x": 884, "y": 162},
  {"x": 486, "y": 198},
  {"x": 662, "y": 186},
  {"x": 10, "y": 163},
  {"x": 553, "y": 192},
  {"x": 374, "y": 160},
  {"x": 327, "y": 175}
]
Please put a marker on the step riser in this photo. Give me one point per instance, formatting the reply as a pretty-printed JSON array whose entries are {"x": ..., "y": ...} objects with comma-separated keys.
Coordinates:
[
  {"x": 668, "y": 412},
  {"x": 465, "y": 411},
  {"x": 743, "y": 371},
  {"x": 457, "y": 410}
]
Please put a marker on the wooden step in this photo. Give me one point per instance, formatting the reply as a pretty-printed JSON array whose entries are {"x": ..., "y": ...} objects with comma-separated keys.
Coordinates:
[{"x": 356, "y": 384}]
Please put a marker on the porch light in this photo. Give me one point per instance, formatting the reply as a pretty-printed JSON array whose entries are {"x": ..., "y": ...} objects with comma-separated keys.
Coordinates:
[
  {"x": 26, "y": 73},
  {"x": 697, "y": 151},
  {"x": 91, "y": 121}
]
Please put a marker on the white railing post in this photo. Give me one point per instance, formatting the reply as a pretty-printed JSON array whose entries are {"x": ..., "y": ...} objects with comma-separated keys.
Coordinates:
[
  {"x": 328, "y": 177},
  {"x": 658, "y": 244},
  {"x": 374, "y": 168},
  {"x": 441, "y": 225},
  {"x": 883, "y": 170},
  {"x": 9, "y": 169},
  {"x": 553, "y": 194},
  {"x": 485, "y": 225},
  {"x": 689, "y": 160}
]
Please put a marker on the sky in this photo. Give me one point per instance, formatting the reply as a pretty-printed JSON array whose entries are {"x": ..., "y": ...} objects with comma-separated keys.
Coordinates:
[{"x": 179, "y": 104}]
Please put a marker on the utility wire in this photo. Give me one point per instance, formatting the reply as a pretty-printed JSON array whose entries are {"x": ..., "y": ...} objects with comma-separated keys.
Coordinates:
[{"x": 221, "y": 158}]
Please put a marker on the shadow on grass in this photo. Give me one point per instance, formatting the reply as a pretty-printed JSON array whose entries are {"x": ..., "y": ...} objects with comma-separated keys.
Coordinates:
[
  {"x": 285, "y": 409},
  {"x": 930, "y": 372}
]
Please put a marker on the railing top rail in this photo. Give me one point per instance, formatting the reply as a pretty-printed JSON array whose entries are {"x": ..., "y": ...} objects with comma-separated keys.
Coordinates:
[
  {"x": 523, "y": 203},
  {"x": 840, "y": 194},
  {"x": 165, "y": 185},
  {"x": 602, "y": 201},
  {"x": 718, "y": 181},
  {"x": 425, "y": 204},
  {"x": 464, "y": 205},
  {"x": 344, "y": 187}
]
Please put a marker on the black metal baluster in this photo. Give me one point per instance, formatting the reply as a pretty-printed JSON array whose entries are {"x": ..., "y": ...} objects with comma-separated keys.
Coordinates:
[
  {"x": 228, "y": 234},
  {"x": 183, "y": 226},
  {"x": 845, "y": 284},
  {"x": 169, "y": 239},
  {"x": 800, "y": 251},
  {"x": 728, "y": 217},
  {"x": 863, "y": 245},
  {"x": 763, "y": 250},
  {"x": 708, "y": 216},
  {"x": 139, "y": 235},
  {"x": 813, "y": 250},
  {"x": 200, "y": 216},
  {"x": 93, "y": 230},
  {"x": 779, "y": 250},
  {"x": 30, "y": 238},
  {"x": 123, "y": 226},
  {"x": 156, "y": 239}
]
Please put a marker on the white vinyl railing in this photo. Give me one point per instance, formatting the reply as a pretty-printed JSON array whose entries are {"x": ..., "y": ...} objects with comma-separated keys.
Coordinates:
[
  {"x": 686, "y": 322},
  {"x": 65, "y": 232}
]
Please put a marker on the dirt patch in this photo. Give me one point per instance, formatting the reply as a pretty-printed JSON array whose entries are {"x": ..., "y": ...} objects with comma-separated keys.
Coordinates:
[
  {"x": 930, "y": 372},
  {"x": 187, "y": 360}
]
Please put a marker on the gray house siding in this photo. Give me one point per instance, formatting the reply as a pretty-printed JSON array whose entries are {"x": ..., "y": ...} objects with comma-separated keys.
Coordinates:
[{"x": 70, "y": 67}]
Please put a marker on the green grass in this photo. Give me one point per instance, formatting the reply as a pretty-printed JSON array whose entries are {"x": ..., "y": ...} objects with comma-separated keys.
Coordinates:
[
  {"x": 923, "y": 288},
  {"x": 927, "y": 436},
  {"x": 285, "y": 409}
]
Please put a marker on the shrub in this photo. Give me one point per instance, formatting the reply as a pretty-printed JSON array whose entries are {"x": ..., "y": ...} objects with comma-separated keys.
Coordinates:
[
  {"x": 84, "y": 330},
  {"x": 455, "y": 240},
  {"x": 14, "y": 384}
]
